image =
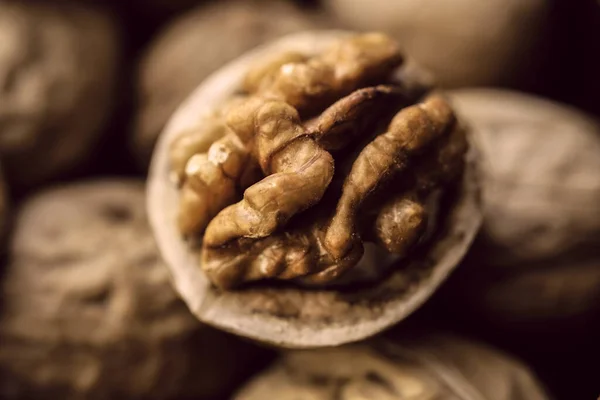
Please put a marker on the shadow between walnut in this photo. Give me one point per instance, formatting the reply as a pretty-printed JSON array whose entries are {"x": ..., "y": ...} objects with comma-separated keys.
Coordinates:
[{"x": 287, "y": 316}]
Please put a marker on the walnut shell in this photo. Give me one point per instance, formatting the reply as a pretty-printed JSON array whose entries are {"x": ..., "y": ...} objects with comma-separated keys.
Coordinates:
[
  {"x": 88, "y": 311},
  {"x": 57, "y": 76},
  {"x": 462, "y": 42},
  {"x": 541, "y": 174},
  {"x": 292, "y": 316},
  {"x": 434, "y": 366},
  {"x": 193, "y": 46},
  {"x": 535, "y": 267}
]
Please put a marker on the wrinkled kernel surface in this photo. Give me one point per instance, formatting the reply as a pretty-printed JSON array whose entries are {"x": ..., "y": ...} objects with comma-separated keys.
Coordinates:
[{"x": 321, "y": 154}]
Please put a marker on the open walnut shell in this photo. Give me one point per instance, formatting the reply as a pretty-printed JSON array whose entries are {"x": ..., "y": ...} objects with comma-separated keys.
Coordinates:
[{"x": 295, "y": 315}]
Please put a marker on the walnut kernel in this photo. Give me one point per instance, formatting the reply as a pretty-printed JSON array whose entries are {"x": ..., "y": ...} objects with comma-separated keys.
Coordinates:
[{"x": 251, "y": 239}]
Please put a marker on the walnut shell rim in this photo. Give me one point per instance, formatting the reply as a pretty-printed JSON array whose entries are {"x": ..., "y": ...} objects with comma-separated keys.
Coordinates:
[{"x": 293, "y": 317}]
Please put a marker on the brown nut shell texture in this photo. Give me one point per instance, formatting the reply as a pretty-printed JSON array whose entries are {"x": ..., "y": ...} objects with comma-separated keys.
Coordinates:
[
  {"x": 58, "y": 75},
  {"x": 535, "y": 269},
  {"x": 325, "y": 170},
  {"x": 88, "y": 311},
  {"x": 430, "y": 367}
]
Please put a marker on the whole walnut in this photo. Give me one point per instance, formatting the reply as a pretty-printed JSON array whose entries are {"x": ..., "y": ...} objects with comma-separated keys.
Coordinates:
[
  {"x": 462, "y": 42},
  {"x": 57, "y": 75},
  {"x": 541, "y": 192},
  {"x": 88, "y": 311},
  {"x": 534, "y": 271},
  {"x": 434, "y": 366},
  {"x": 196, "y": 44}
]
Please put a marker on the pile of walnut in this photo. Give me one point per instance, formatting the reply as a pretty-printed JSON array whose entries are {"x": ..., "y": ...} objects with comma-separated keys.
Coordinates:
[{"x": 334, "y": 130}]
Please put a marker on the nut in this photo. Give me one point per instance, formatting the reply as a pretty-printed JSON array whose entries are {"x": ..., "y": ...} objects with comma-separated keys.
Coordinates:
[
  {"x": 462, "y": 42},
  {"x": 298, "y": 169},
  {"x": 540, "y": 168},
  {"x": 88, "y": 311},
  {"x": 196, "y": 44},
  {"x": 325, "y": 171},
  {"x": 323, "y": 252},
  {"x": 533, "y": 272},
  {"x": 57, "y": 76},
  {"x": 434, "y": 366}
]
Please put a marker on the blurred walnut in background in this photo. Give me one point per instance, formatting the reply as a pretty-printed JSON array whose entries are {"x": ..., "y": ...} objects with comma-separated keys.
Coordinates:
[
  {"x": 463, "y": 42},
  {"x": 432, "y": 366},
  {"x": 541, "y": 169},
  {"x": 88, "y": 311},
  {"x": 57, "y": 76},
  {"x": 195, "y": 45},
  {"x": 536, "y": 264}
]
